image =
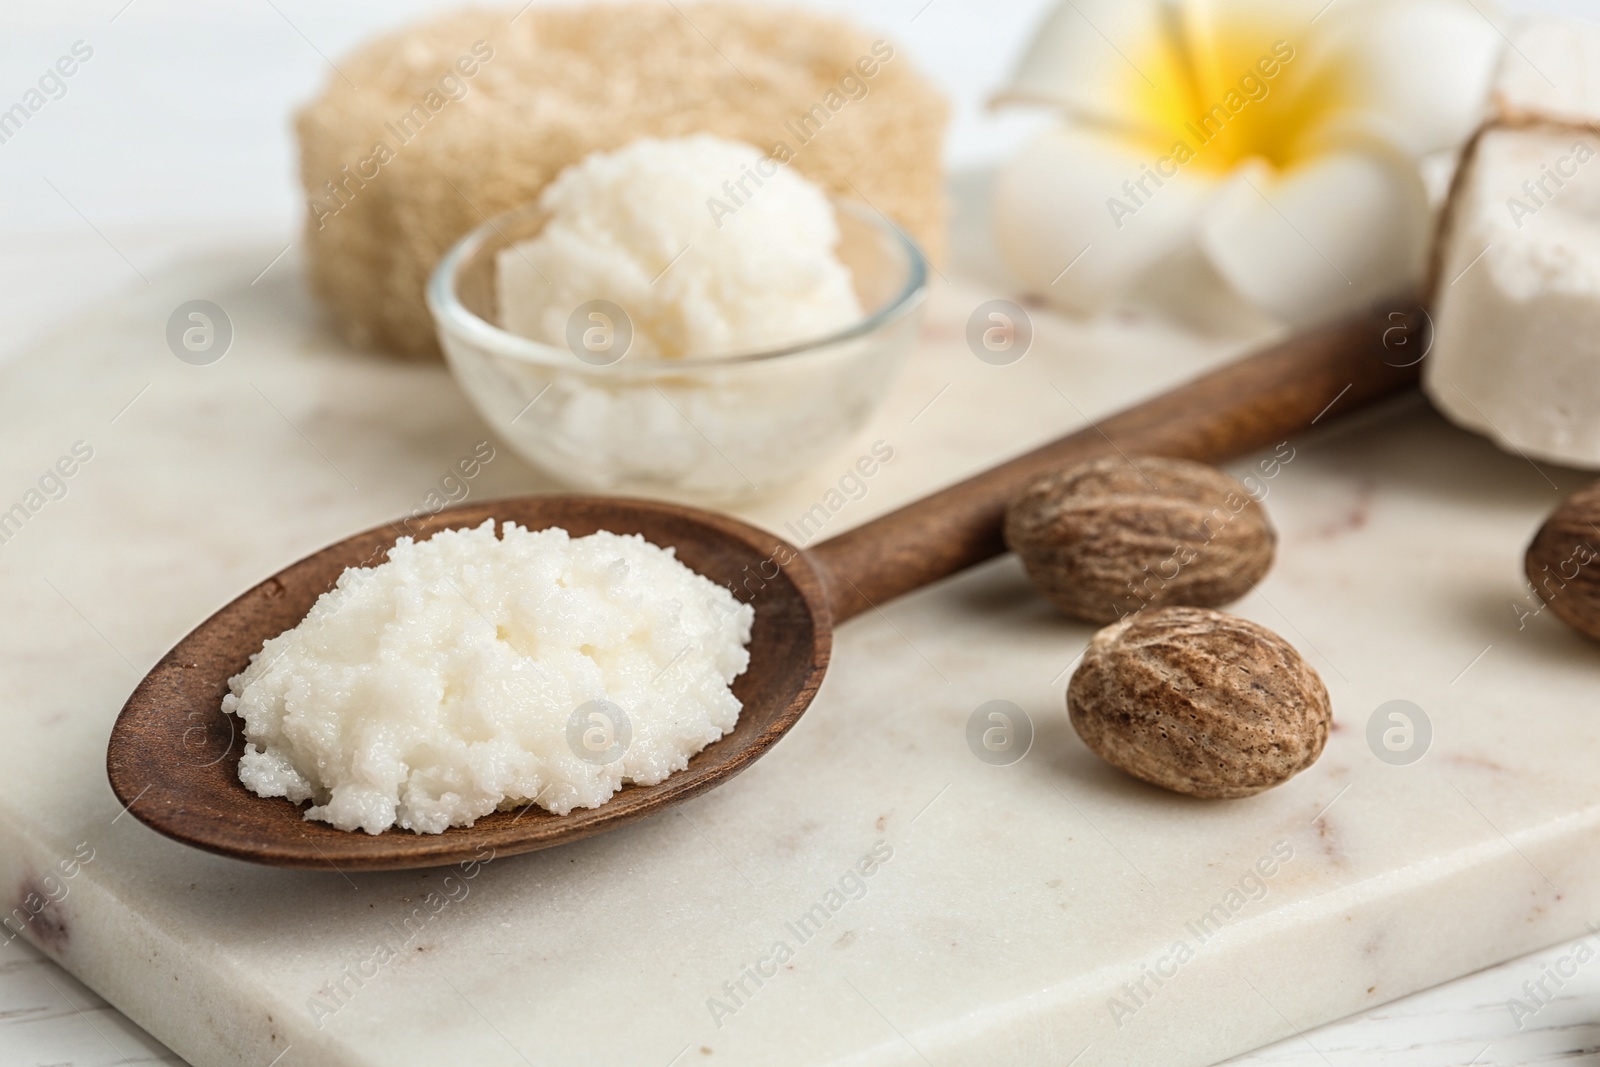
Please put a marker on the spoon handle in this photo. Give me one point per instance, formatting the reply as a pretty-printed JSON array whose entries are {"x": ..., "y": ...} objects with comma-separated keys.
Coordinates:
[{"x": 1246, "y": 405}]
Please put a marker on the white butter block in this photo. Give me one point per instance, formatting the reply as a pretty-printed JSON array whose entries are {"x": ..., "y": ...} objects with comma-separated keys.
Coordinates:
[
  {"x": 1550, "y": 71},
  {"x": 1517, "y": 310}
]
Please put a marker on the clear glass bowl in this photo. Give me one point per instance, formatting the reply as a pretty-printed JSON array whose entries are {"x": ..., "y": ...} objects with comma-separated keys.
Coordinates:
[{"x": 709, "y": 429}]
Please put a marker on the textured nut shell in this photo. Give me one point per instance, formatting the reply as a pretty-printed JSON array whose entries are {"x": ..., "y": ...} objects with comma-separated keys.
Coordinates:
[
  {"x": 1563, "y": 561},
  {"x": 1199, "y": 702},
  {"x": 1103, "y": 538},
  {"x": 565, "y": 81}
]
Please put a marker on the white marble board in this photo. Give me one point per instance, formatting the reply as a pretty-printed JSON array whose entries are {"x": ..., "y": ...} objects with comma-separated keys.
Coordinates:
[{"x": 1021, "y": 905}]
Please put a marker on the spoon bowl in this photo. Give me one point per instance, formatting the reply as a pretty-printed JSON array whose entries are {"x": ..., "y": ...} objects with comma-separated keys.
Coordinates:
[{"x": 173, "y": 757}]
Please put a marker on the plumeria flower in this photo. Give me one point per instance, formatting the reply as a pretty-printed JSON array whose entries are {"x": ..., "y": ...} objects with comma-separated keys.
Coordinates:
[{"x": 1274, "y": 150}]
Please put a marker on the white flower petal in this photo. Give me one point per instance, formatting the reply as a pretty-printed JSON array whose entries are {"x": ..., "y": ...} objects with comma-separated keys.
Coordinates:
[
  {"x": 1089, "y": 58},
  {"x": 1186, "y": 288},
  {"x": 1225, "y": 38},
  {"x": 1322, "y": 239},
  {"x": 1415, "y": 72},
  {"x": 1062, "y": 203}
]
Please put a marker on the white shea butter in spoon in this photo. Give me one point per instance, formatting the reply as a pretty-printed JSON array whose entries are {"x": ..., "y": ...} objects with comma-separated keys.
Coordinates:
[{"x": 471, "y": 673}]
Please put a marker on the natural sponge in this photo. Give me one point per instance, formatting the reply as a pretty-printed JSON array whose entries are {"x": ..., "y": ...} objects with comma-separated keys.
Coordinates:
[{"x": 428, "y": 131}]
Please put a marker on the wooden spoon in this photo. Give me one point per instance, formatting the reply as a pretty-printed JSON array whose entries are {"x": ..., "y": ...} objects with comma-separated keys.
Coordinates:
[{"x": 174, "y": 755}]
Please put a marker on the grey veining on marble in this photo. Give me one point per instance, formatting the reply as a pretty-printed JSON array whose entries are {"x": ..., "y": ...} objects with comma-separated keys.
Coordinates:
[{"x": 1021, "y": 905}]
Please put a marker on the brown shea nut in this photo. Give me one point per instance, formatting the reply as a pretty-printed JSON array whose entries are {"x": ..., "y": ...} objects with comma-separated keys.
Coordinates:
[
  {"x": 1563, "y": 563},
  {"x": 1199, "y": 702},
  {"x": 1111, "y": 536}
]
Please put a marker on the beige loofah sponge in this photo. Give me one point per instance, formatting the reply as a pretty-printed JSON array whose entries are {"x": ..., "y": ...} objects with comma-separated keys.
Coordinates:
[{"x": 443, "y": 124}]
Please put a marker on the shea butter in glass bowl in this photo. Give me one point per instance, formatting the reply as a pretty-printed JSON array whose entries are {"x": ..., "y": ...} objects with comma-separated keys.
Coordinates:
[{"x": 696, "y": 428}]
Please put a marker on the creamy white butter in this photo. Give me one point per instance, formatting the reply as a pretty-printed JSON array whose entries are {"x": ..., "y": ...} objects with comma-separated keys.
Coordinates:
[
  {"x": 1517, "y": 311},
  {"x": 470, "y": 673},
  {"x": 1517, "y": 345},
  {"x": 708, "y": 246}
]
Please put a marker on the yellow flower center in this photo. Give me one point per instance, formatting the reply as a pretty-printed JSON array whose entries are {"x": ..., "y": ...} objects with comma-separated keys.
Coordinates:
[{"x": 1227, "y": 92}]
